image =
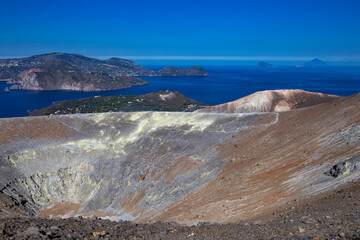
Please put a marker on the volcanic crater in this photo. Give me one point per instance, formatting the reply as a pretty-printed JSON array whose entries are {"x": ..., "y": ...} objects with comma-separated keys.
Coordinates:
[{"x": 172, "y": 166}]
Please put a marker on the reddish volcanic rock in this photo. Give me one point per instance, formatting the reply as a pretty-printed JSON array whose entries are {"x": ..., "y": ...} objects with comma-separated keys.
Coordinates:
[
  {"x": 272, "y": 101},
  {"x": 28, "y": 79},
  {"x": 60, "y": 75}
]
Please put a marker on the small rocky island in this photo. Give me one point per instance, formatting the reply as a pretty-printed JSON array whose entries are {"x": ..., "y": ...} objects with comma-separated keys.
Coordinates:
[
  {"x": 314, "y": 63},
  {"x": 192, "y": 71},
  {"x": 158, "y": 101},
  {"x": 264, "y": 65},
  {"x": 64, "y": 71}
]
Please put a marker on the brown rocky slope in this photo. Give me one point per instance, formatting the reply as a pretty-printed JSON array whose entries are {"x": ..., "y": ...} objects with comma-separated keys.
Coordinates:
[{"x": 335, "y": 215}]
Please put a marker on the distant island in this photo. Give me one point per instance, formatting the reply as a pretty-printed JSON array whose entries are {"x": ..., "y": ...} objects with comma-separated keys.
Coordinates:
[
  {"x": 314, "y": 63},
  {"x": 64, "y": 71},
  {"x": 158, "y": 101},
  {"x": 192, "y": 71},
  {"x": 263, "y": 64}
]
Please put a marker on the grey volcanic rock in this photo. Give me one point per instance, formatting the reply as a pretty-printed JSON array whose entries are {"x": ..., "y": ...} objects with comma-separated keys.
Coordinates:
[
  {"x": 264, "y": 65},
  {"x": 184, "y": 167},
  {"x": 272, "y": 101}
]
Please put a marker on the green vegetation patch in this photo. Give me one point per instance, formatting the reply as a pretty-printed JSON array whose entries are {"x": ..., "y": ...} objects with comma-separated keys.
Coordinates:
[{"x": 123, "y": 103}]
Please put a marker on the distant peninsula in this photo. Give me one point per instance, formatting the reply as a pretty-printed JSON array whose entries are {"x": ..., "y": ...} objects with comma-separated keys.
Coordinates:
[
  {"x": 263, "y": 64},
  {"x": 157, "y": 101},
  {"x": 64, "y": 71}
]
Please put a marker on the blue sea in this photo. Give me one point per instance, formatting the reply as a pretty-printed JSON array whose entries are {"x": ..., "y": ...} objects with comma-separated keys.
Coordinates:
[{"x": 225, "y": 83}]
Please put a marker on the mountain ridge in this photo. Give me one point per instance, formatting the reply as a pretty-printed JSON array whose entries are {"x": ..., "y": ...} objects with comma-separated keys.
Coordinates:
[
  {"x": 112, "y": 66},
  {"x": 271, "y": 101}
]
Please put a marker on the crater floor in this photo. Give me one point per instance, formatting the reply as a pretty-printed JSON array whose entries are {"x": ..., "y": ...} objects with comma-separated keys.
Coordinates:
[{"x": 334, "y": 215}]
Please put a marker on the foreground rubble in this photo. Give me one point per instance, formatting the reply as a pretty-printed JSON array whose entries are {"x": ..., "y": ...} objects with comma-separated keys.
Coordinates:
[{"x": 334, "y": 215}]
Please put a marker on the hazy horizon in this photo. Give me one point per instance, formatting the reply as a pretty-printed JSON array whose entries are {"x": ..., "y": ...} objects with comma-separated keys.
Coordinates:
[{"x": 222, "y": 60}]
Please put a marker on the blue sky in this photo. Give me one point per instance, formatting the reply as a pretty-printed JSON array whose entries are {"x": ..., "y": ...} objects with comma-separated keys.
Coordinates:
[{"x": 155, "y": 28}]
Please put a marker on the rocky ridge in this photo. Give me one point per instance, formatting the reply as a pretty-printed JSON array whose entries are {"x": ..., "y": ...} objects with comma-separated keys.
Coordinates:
[
  {"x": 272, "y": 101},
  {"x": 112, "y": 67}
]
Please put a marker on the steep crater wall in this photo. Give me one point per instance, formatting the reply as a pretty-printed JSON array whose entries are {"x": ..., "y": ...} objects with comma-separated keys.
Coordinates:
[{"x": 120, "y": 162}]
